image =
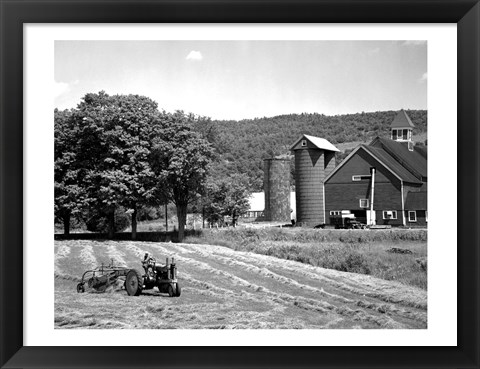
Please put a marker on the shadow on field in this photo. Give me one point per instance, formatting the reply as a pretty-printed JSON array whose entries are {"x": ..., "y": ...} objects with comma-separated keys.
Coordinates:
[{"x": 127, "y": 236}]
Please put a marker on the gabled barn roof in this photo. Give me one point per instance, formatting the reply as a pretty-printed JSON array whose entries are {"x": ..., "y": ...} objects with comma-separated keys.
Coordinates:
[
  {"x": 400, "y": 163},
  {"x": 413, "y": 161},
  {"x": 402, "y": 120},
  {"x": 394, "y": 166},
  {"x": 319, "y": 143},
  {"x": 422, "y": 150}
]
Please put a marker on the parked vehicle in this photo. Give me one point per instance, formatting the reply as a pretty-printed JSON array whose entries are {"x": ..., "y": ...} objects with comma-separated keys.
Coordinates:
[{"x": 346, "y": 223}]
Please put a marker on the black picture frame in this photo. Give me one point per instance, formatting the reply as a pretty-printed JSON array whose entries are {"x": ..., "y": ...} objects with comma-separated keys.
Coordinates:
[{"x": 465, "y": 13}]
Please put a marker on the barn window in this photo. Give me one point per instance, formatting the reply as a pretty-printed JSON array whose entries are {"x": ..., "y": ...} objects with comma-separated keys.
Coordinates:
[
  {"x": 405, "y": 134},
  {"x": 304, "y": 143},
  {"x": 389, "y": 214},
  {"x": 412, "y": 216},
  {"x": 394, "y": 134},
  {"x": 335, "y": 212},
  {"x": 364, "y": 203},
  {"x": 361, "y": 177}
]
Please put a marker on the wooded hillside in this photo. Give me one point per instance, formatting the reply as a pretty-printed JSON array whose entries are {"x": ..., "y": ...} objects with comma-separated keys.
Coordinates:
[{"x": 244, "y": 144}]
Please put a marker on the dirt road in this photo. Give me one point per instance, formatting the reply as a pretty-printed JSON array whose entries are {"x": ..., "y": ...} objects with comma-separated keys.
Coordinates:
[{"x": 222, "y": 288}]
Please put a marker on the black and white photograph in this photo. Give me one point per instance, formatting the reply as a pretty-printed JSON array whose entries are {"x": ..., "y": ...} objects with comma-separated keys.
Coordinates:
[{"x": 240, "y": 184}]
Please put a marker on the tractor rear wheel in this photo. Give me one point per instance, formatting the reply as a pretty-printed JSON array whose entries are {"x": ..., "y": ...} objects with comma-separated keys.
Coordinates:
[
  {"x": 134, "y": 283},
  {"x": 179, "y": 290}
]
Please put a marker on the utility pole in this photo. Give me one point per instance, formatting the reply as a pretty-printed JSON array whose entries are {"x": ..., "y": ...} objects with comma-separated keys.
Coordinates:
[{"x": 372, "y": 214}]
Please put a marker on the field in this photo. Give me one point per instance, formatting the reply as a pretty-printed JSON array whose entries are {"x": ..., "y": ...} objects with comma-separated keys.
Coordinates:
[
  {"x": 356, "y": 251},
  {"x": 223, "y": 288}
]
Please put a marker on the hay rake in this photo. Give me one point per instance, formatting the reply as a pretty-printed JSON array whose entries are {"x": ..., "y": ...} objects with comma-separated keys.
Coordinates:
[
  {"x": 162, "y": 277},
  {"x": 100, "y": 278}
]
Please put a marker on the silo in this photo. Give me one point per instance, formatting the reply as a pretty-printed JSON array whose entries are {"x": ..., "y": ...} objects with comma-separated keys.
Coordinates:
[
  {"x": 276, "y": 186},
  {"x": 314, "y": 156}
]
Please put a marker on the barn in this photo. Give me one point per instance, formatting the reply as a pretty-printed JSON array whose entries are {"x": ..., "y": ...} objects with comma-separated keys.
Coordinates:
[{"x": 383, "y": 183}]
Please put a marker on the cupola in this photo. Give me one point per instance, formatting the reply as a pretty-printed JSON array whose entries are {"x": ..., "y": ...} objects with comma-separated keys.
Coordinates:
[{"x": 401, "y": 127}]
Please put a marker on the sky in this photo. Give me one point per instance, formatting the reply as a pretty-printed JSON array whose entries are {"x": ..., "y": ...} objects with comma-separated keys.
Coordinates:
[{"x": 247, "y": 79}]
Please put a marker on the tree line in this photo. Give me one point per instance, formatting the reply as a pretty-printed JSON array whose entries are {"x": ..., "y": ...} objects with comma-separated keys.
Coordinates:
[
  {"x": 118, "y": 158},
  {"x": 122, "y": 153}
]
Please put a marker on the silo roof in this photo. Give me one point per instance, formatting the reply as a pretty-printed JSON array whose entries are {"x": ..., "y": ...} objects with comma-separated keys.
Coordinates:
[{"x": 318, "y": 142}]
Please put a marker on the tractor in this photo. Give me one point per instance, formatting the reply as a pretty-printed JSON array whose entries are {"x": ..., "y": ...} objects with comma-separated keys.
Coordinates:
[{"x": 162, "y": 277}]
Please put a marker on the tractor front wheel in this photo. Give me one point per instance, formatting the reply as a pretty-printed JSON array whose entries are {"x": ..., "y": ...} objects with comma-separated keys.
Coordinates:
[
  {"x": 171, "y": 292},
  {"x": 179, "y": 290},
  {"x": 134, "y": 283}
]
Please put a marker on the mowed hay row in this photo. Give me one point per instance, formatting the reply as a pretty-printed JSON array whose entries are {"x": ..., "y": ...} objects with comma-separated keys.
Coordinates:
[
  {"x": 223, "y": 288},
  {"x": 86, "y": 255},
  {"x": 347, "y": 286}
]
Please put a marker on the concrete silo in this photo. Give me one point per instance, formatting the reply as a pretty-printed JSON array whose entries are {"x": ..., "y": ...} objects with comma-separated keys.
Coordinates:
[
  {"x": 276, "y": 186},
  {"x": 314, "y": 159}
]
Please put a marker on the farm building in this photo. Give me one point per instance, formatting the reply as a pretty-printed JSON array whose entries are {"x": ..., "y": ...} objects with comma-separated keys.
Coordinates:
[
  {"x": 314, "y": 160},
  {"x": 383, "y": 183},
  {"x": 276, "y": 187},
  {"x": 257, "y": 207}
]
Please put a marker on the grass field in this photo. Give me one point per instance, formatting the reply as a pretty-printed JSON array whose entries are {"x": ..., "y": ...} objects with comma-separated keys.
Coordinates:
[
  {"x": 356, "y": 251},
  {"x": 227, "y": 289}
]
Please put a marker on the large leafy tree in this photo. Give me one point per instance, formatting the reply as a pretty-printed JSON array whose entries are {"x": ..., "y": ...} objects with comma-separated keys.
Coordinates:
[
  {"x": 180, "y": 158},
  {"x": 114, "y": 145},
  {"x": 69, "y": 194},
  {"x": 137, "y": 119}
]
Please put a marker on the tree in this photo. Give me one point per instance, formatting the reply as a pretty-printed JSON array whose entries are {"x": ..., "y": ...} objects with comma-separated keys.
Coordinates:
[
  {"x": 136, "y": 126},
  {"x": 69, "y": 195},
  {"x": 114, "y": 147},
  {"x": 227, "y": 196},
  {"x": 180, "y": 158}
]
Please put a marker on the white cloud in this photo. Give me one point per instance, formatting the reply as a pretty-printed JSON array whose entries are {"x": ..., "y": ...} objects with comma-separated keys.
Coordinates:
[
  {"x": 61, "y": 88},
  {"x": 423, "y": 78},
  {"x": 194, "y": 55},
  {"x": 414, "y": 42}
]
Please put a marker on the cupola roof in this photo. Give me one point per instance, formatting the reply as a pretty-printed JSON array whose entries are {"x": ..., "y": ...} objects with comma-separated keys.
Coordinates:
[{"x": 402, "y": 120}]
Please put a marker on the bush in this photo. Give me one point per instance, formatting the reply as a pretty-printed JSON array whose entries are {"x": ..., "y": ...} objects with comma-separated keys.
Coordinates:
[
  {"x": 355, "y": 263},
  {"x": 149, "y": 213},
  {"x": 98, "y": 222}
]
